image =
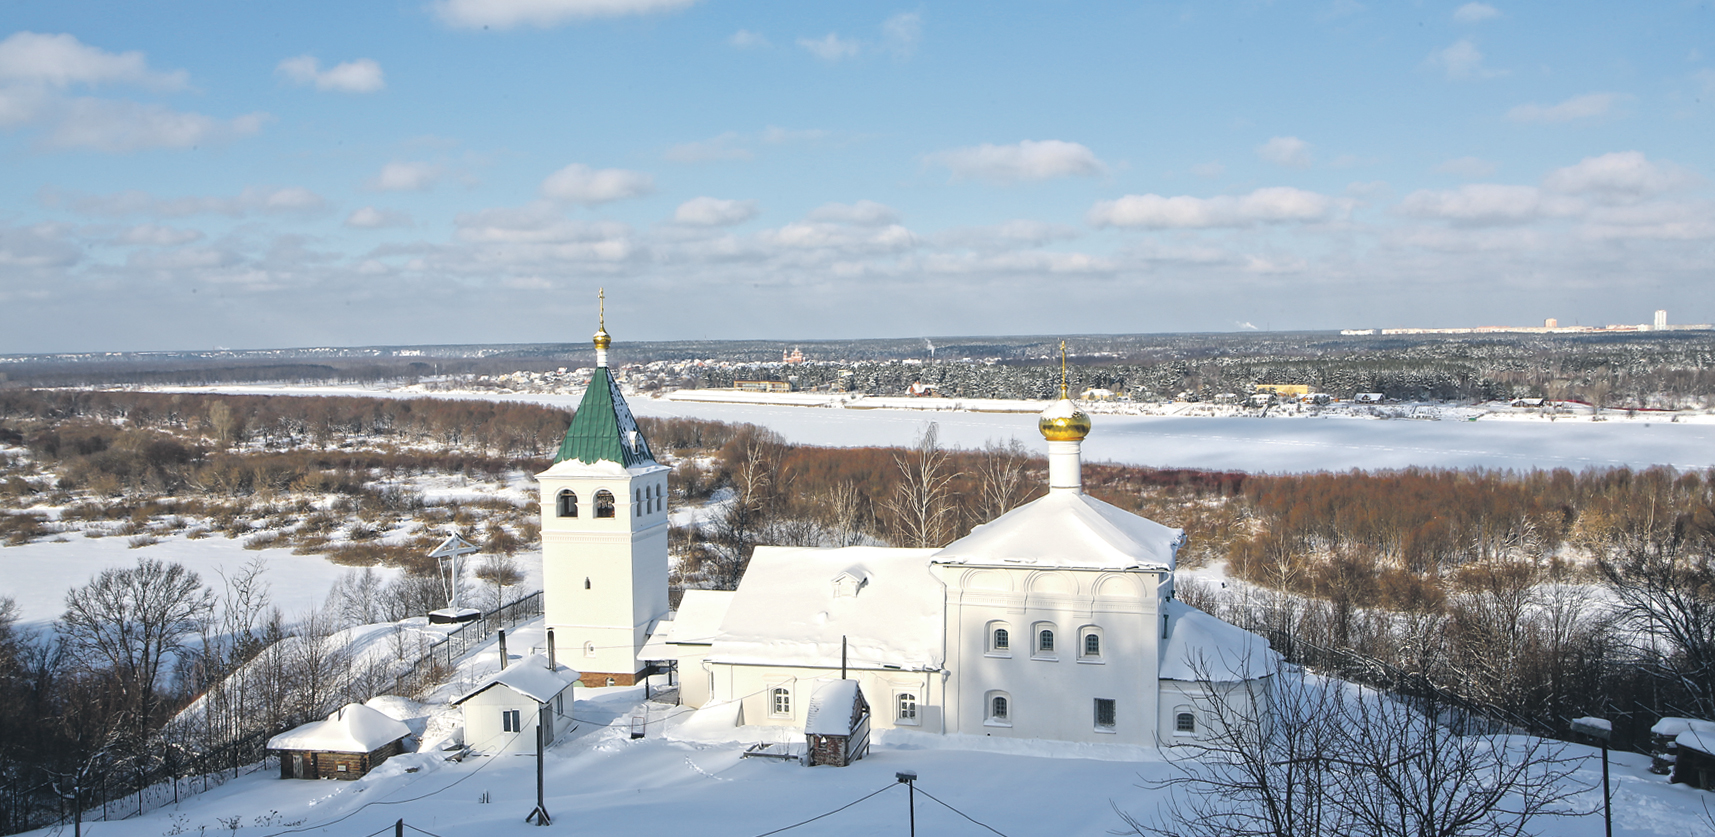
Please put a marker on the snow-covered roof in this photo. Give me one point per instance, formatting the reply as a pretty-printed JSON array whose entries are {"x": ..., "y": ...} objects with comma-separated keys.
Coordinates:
[
  {"x": 1200, "y": 647},
  {"x": 353, "y": 729},
  {"x": 1071, "y": 530},
  {"x": 831, "y": 706},
  {"x": 785, "y": 611},
  {"x": 692, "y": 629},
  {"x": 700, "y": 615},
  {"x": 1703, "y": 741},
  {"x": 530, "y": 677},
  {"x": 1669, "y": 727}
]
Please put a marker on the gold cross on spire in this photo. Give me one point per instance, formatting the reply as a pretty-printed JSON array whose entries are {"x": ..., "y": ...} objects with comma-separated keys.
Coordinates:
[
  {"x": 1062, "y": 369},
  {"x": 601, "y": 296}
]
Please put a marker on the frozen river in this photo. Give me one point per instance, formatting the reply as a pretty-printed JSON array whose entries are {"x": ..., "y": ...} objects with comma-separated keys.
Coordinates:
[{"x": 1277, "y": 445}]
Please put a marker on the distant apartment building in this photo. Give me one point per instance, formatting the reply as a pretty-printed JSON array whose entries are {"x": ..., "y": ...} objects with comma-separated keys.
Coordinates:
[{"x": 762, "y": 386}]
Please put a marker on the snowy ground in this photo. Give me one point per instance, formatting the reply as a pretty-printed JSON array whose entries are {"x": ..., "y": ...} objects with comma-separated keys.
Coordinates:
[
  {"x": 1335, "y": 440},
  {"x": 600, "y": 780}
]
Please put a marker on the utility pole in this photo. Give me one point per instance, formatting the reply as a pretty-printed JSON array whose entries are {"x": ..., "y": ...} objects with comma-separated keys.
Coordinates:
[
  {"x": 540, "y": 815},
  {"x": 908, "y": 777},
  {"x": 1602, "y": 730}
]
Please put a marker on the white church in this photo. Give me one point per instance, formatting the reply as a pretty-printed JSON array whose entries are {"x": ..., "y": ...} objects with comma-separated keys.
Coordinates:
[{"x": 1054, "y": 621}]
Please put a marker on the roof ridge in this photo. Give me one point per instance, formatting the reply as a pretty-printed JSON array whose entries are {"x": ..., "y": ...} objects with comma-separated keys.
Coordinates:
[{"x": 603, "y": 428}]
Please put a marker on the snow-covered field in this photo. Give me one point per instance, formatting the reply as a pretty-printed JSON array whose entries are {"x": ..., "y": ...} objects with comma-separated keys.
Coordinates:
[
  {"x": 599, "y": 780},
  {"x": 1501, "y": 437}
]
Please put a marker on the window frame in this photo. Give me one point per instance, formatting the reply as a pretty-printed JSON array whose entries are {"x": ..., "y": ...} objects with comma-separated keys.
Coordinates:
[
  {"x": 1112, "y": 708},
  {"x": 1037, "y": 649},
  {"x": 1002, "y": 701},
  {"x": 1085, "y": 634},
  {"x": 1183, "y": 716},
  {"x": 904, "y": 702},
  {"x": 780, "y": 702},
  {"x": 562, "y": 509},
  {"x": 991, "y": 644},
  {"x": 511, "y": 720},
  {"x": 605, "y": 505}
]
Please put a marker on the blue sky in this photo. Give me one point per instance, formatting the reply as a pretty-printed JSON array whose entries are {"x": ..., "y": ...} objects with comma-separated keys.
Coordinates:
[{"x": 185, "y": 175}]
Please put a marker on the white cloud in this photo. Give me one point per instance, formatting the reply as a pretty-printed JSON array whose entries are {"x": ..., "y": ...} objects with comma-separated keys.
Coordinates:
[
  {"x": 370, "y": 218},
  {"x": 809, "y": 235},
  {"x": 902, "y": 32},
  {"x": 714, "y": 212},
  {"x": 1285, "y": 151},
  {"x": 1209, "y": 170},
  {"x": 1475, "y": 13},
  {"x": 578, "y": 183},
  {"x": 1278, "y": 204},
  {"x": 864, "y": 213},
  {"x": 1462, "y": 61},
  {"x": 1011, "y": 234},
  {"x": 1027, "y": 160},
  {"x": 830, "y": 47},
  {"x": 1467, "y": 167},
  {"x": 536, "y": 223},
  {"x": 405, "y": 177},
  {"x": 1587, "y": 106},
  {"x": 1620, "y": 176},
  {"x": 775, "y": 135},
  {"x": 22, "y": 105},
  {"x": 746, "y": 39},
  {"x": 723, "y": 147},
  {"x": 39, "y": 246},
  {"x": 156, "y": 235},
  {"x": 361, "y": 76},
  {"x": 506, "y": 14},
  {"x": 63, "y": 60},
  {"x": 290, "y": 200},
  {"x": 1486, "y": 204},
  {"x": 114, "y": 125}
]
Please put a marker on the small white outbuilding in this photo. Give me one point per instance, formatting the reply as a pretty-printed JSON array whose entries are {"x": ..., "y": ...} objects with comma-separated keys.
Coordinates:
[{"x": 510, "y": 704}]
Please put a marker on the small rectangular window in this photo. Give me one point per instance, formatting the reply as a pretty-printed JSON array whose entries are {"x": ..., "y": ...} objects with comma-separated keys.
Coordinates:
[
  {"x": 1104, "y": 712},
  {"x": 908, "y": 708},
  {"x": 782, "y": 703},
  {"x": 510, "y": 722},
  {"x": 1185, "y": 722}
]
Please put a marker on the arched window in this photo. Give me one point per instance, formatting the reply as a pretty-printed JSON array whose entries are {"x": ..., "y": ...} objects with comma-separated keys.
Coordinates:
[
  {"x": 589, "y": 649},
  {"x": 604, "y": 503},
  {"x": 998, "y": 708},
  {"x": 1185, "y": 722},
  {"x": 586, "y": 582},
  {"x": 568, "y": 504},
  {"x": 636, "y": 502},
  {"x": 907, "y": 708},
  {"x": 1092, "y": 645},
  {"x": 1045, "y": 641},
  {"x": 1002, "y": 640},
  {"x": 780, "y": 703}
]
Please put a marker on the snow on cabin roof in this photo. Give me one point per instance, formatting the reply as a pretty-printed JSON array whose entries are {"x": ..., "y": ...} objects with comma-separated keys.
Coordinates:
[
  {"x": 1670, "y": 727},
  {"x": 530, "y": 677},
  {"x": 786, "y": 610},
  {"x": 353, "y": 729},
  {"x": 1198, "y": 646},
  {"x": 1703, "y": 741},
  {"x": 1070, "y": 530},
  {"x": 831, "y": 708}
]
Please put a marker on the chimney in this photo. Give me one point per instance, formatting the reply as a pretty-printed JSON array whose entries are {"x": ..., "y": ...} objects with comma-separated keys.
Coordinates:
[
  {"x": 502, "y": 633},
  {"x": 551, "y": 664}
]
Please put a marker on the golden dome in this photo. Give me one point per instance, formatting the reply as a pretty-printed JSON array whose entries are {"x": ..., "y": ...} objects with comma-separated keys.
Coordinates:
[
  {"x": 602, "y": 340},
  {"x": 1064, "y": 422}
]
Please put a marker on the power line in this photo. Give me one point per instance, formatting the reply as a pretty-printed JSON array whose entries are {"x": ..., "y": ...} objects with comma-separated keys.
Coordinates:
[
  {"x": 414, "y": 828},
  {"x": 959, "y": 812},
  {"x": 835, "y": 811}
]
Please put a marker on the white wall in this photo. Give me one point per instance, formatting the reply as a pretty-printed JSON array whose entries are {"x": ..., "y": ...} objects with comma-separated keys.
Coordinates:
[
  {"x": 754, "y": 685},
  {"x": 1052, "y": 696},
  {"x": 484, "y": 728}
]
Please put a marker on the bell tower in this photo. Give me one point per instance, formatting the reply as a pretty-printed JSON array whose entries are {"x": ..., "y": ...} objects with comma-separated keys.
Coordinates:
[{"x": 604, "y": 535}]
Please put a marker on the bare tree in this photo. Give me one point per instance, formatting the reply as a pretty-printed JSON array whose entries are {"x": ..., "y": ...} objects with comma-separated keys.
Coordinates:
[
  {"x": 1313, "y": 757},
  {"x": 1670, "y": 599},
  {"x": 1000, "y": 479},
  {"x": 357, "y": 599},
  {"x": 130, "y": 622},
  {"x": 735, "y": 533},
  {"x": 500, "y": 571},
  {"x": 844, "y": 513},
  {"x": 921, "y": 506}
]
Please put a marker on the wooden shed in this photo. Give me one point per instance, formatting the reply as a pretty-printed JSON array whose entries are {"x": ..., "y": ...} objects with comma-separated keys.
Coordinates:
[
  {"x": 836, "y": 725},
  {"x": 349, "y": 744},
  {"x": 1694, "y": 764}
]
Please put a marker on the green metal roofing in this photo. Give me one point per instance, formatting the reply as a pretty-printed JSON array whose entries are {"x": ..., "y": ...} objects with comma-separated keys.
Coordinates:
[{"x": 603, "y": 429}]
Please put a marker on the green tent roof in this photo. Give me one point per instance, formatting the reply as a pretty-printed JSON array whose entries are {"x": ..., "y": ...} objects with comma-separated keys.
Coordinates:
[{"x": 603, "y": 429}]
